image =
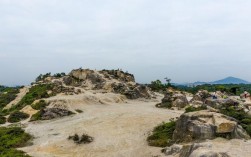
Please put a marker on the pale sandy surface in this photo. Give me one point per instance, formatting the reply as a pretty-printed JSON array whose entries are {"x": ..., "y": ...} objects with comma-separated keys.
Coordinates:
[{"x": 119, "y": 129}]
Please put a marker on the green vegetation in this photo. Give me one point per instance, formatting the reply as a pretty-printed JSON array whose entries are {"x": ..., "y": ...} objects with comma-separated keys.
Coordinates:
[
  {"x": 2, "y": 119},
  {"x": 84, "y": 139},
  {"x": 37, "y": 116},
  {"x": 164, "y": 105},
  {"x": 7, "y": 94},
  {"x": 162, "y": 135},
  {"x": 17, "y": 116},
  {"x": 232, "y": 89},
  {"x": 159, "y": 86},
  {"x": 35, "y": 92},
  {"x": 79, "y": 111},
  {"x": 243, "y": 118},
  {"x": 193, "y": 109},
  {"x": 12, "y": 138},
  {"x": 41, "y": 77},
  {"x": 40, "y": 105}
]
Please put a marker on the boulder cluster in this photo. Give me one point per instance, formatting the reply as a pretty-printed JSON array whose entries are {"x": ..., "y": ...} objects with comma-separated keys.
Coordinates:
[
  {"x": 115, "y": 81},
  {"x": 202, "y": 125},
  {"x": 205, "y": 120},
  {"x": 173, "y": 99}
]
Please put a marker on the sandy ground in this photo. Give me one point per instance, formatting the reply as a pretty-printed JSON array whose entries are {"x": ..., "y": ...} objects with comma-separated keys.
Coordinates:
[{"x": 119, "y": 129}]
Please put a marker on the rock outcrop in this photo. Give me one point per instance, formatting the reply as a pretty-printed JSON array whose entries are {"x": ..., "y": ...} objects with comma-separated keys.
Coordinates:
[
  {"x": 115, "y": 81},
  {"x": 51, "y": 113},
  {"x": 201, "y": 96},
  {"x": 202, "y": 125},
  {"x": 174, "y": 100}
]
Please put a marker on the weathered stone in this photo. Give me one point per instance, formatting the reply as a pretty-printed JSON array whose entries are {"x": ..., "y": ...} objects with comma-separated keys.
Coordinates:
[
  {"x": 200, "y": 150},
  {"x": 177, "y": 100},
  {"x": 51, "y": 113},
  {"x": 173, "y": 150},
  {"x": 203, "y": 125}
]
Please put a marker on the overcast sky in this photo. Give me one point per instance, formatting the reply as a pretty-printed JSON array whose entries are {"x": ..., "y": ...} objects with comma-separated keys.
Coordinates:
[{"x": 185, "y": 40}]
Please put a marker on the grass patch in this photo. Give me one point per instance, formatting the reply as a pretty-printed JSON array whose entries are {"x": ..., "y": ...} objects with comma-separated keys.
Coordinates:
[
  {"x": 193, "y": 109},
  {"x": 40, "y": 105},
  {"x": 36, "y": 116},
  {"x": 17, "y": 116},
  {"x": 12, "y": 138},
  {"x": 2, "y": 120},
  {"x": 162, "y": 135},
  {"x": 7, "y": 94},
  {"x": 84, "y": 139}
]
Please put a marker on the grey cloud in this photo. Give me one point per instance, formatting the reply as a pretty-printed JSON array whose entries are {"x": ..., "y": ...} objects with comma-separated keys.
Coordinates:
[{"x": 186, "y": 40}]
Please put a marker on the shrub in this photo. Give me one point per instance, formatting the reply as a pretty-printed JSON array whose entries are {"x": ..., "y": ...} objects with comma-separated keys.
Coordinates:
[
  {"x": 248, "y": 129},
  {"x": 40, "y": 105},
  {"x": 7, "y": 95},
  {"x": 36, "y": 116},
  {"x": 84, "y": 139},
  {"x": 12, "y": 138},
  {"x": 79, "y": 111},
  {"x": 164, "y": 105},
  {"x": 2, "y": 120},
  {"x": 193, "y": 109},
  {"x": 17, "y": 116},
  {"x": 162, "y": 135},
  {"x": 12, "y": 153}
]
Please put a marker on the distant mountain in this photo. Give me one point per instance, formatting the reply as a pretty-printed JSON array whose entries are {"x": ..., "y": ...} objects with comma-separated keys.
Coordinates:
[{"x": 230, "y": 80}]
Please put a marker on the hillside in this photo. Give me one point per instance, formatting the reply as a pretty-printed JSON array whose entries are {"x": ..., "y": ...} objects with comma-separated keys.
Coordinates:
[{"x": 106, "y": 113}]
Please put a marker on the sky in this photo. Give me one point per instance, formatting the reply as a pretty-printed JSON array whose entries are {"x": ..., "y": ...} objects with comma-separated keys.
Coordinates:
[{"x": 185, "y": 40}]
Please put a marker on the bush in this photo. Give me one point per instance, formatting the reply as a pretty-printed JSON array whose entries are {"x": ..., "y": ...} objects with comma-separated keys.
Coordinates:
[
  {"x": 79, "y": 111},
  {"x": 17, "y": 116},
  {"x": 164, "y": 105},
  {"x": 248, "y": 129},
  {"x": 12, "y": 153},
  {"x": 40, "y": 105},
  {"x": 2, "y": 120},
  {"x": 7, "y": 95},
  {"x": 193, "y": 109},
  {"x": 36, "y": 116},
  {"x": 162, "y": 135},
  {"x": 85, "y": 139},
  {"x": 13, "y": 138}
]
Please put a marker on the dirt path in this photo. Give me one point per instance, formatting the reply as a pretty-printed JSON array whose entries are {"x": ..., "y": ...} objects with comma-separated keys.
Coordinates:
[{"x": 120, "y": 130}]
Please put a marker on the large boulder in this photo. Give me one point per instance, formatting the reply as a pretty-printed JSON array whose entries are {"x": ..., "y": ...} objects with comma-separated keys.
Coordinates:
[
  {"x": 200, "y": 96},
  {"x": 177, "y": 100},
  {"x": 202, "y": 125},
  {"x": 132, "y": 91}
]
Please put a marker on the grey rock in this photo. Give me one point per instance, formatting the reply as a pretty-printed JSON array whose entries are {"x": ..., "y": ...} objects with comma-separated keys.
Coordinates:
[{"x": 202, "y": 125}]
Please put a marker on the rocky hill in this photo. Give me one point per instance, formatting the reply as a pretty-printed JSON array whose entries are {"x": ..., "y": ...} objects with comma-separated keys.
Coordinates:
[{"x": 106, "y": 113}]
